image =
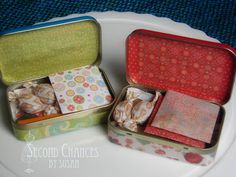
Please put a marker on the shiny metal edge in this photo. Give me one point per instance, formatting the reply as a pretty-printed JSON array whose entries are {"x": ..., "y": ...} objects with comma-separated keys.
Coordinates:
[{"x": 46, "y": 25}]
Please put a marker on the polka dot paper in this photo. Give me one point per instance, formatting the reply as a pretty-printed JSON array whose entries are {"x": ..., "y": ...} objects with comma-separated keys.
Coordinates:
[
  {"x": 80, "y": 89},
  {"x": 184, "y": 65}
]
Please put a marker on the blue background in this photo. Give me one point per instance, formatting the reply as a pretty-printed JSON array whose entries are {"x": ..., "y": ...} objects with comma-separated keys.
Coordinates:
[{"x": 215, "y": 17}]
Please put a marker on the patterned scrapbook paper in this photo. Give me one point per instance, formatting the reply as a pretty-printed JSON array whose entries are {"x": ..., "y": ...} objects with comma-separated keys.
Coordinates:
[
  {"x": 187, "y": 116},
  {"x": 167, "y": 134},
  {"x": 166, "y": 62},
  {"x": 80, "y": 89}
]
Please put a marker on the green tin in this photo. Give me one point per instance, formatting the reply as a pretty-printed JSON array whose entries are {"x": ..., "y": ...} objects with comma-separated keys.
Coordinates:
[{"x": 32, "y": 53}]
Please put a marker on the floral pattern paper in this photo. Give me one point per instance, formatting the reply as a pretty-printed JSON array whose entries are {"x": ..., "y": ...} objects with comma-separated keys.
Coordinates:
[{"x": 80, "y": 89}]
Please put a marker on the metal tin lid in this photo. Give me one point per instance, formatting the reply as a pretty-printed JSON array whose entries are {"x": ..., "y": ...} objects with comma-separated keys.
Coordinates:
[
  {"x": 168, "y": 62},
  {"x": 39, "y": 50}
]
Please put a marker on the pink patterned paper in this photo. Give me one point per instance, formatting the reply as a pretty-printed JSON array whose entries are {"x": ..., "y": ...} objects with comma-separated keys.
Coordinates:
[{"x": 186, "y": 115}]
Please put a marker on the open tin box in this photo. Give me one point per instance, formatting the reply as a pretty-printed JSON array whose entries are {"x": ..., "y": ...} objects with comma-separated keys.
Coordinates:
[
  {"x": 33, "y": 53},
  {"x": 159, "y": 61}
]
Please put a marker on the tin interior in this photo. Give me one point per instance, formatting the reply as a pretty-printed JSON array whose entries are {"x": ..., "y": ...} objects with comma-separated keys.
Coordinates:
[
  {"x": 198, "y": 68},
  {"x": 165, "y": 141},
  {"x": 33, "y": 52},
  {"x": 12, "y": 106},
  {"x": 63, "y": 117}
]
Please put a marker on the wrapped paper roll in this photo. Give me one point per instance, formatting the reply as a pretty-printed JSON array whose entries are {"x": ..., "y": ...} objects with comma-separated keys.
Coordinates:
[
  {"x": 35, "y": 99},
  {"x": 136, "y": 109},
  {"x": 130, "y": 124},
  {"x": 30, "y": 103},
  {"x": 14, "y": 95},
  {"x": 143, "y": 109},
  {"x": 135, "y": 93},
  {"x": 123, "y": 111},
  {"x": 45, "y": 93},
  {"x": 26, "y": 101},
  {"x": 50, "y": 110},
  {"x": 29, "y": 85}
]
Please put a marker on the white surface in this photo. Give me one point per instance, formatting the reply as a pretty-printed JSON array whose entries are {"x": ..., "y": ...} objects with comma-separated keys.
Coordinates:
[{"x": 114, "y": 160}]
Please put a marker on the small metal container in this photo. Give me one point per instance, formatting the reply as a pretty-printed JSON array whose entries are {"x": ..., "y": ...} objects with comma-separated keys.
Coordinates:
[
  {"x": 69, "y": 44},
  {"x": 160, "y": 61}
]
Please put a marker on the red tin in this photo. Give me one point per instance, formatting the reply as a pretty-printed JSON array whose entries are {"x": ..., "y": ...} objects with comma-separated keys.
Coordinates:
[
  {"x": 194, "y": 67},
  {"x": 160, "y": 61}
]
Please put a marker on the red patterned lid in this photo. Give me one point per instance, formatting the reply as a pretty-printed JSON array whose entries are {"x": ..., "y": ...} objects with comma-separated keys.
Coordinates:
[{"x": 168, "y": 62}]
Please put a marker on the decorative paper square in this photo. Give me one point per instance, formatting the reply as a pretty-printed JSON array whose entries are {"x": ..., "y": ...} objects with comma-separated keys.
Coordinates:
[
  {"x": 80, "y": 89},
  {"x": 186, "y": 115}
]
